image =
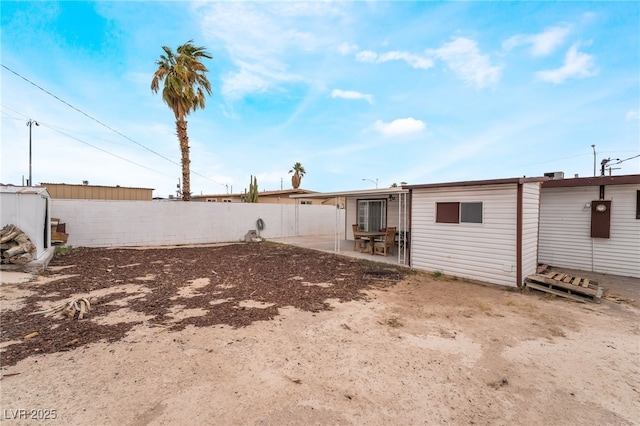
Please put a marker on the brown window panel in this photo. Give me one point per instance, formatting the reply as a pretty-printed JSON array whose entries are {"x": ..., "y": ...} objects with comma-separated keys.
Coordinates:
[{"x": 448, "y": 212}]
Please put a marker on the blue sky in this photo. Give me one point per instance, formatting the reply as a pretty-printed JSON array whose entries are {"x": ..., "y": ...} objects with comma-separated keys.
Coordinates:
[{"x": 416, "y": 92}]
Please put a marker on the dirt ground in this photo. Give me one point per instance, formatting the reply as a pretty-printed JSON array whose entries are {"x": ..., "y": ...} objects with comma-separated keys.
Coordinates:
[{"x": 270, "y": 334}]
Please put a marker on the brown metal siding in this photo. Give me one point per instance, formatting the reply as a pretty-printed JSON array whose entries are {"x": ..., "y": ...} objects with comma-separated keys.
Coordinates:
[{"x": 90, "y": 192}]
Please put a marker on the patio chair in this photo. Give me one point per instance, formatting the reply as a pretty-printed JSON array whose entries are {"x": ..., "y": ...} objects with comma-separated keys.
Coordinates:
[
  {"x": 386, "y": 245},
  {"x": 358, "y": 241}
]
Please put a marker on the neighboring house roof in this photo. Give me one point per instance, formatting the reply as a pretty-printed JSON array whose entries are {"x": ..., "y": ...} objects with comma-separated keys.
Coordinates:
[
  {"x": 592, "y": 181},
  {"x": 261, "y": 193}
]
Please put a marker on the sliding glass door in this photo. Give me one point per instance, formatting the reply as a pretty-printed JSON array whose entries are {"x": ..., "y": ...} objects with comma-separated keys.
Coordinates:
[{"x": 372, "y": 214}]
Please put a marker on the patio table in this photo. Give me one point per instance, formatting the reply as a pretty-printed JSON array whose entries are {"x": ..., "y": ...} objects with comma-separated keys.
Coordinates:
[{"x": 370, "y": 235}]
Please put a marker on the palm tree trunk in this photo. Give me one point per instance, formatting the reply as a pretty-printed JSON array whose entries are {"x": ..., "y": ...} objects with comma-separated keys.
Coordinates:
[
  {"x": 295, "y": 180},
  {"x": 181, "y": 125}
]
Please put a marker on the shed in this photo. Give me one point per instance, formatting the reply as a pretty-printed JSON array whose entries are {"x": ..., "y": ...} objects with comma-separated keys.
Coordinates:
[
  {"x": 485, "y": 230},
  {"x": 592, "y": 224},
  {"x": 28, "y": 208}
]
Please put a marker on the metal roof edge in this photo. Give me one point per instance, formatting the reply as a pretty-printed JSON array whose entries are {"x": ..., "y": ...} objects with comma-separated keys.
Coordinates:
[
  {"x": 13, "y": 189},
  {"x": 274, "y": 192},
  {"x": 505, "y": 181},
  {"x": 370, "y": 192},
  {"x": 592, "y": 181}
]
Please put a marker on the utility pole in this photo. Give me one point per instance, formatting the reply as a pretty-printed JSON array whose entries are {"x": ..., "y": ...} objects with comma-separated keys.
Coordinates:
[
  {"x": 605, "y": 162},
  {"x": 30, "y": 123},
  {"x": 374, "y": 181},
  {"x": 594, "y": 159}
]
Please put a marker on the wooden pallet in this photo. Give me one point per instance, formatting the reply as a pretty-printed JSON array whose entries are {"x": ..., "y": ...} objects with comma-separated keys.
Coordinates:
[{"x": 564, "y": 285}]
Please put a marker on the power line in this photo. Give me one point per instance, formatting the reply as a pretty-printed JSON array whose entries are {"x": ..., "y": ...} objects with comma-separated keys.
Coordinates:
[
  {"x": 103, "y": 150},
  {"x": 626, "y": 159},
  {"x": 105, "y": 125},
  {"x": 60, "y": 128},
  {"x": 87, "y": 115}
]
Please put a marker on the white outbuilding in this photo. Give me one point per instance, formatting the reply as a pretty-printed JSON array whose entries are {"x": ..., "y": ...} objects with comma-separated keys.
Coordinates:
[{"x": 29, "y": 209}]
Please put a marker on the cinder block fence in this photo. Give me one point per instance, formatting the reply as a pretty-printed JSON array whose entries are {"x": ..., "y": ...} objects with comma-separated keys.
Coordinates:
[{"x": 108, "y": 223}]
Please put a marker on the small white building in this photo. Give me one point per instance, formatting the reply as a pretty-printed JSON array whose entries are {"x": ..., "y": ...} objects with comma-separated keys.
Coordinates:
[
  {"x": 591, "y": 224},
  {"x": 29, "y": 209},
  {"x": 485, "y": 230}
]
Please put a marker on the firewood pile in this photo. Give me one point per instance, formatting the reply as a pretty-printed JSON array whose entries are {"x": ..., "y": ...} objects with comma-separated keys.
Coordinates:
[
  {"x": 74, "y": 308},
  {"x": 15, "y": 246}
]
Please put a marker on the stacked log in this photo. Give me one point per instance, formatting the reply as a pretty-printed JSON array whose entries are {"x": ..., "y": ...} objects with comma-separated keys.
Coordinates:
[{"x": 15, "y": 246}]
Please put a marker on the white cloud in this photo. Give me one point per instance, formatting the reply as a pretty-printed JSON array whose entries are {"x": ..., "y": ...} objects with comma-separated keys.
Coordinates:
[
  {"x": 262, "y": 40},
  {"x": 576, "y": 64},
  {"x": 401, "y": 126},
  {"x": 542, "y": 43},
  {"x": 633, "y": 115},
  {"x": 366, "y": 56},
  {"x": 346, "y": 48},
  {"x": 349, "y": 94},
  {"x": 412, "y": 60},
  {"x": 464, "y": 59}
]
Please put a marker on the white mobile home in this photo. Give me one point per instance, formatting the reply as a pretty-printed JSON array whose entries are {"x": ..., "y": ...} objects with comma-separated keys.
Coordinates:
[{"x": 591, "y": 224}]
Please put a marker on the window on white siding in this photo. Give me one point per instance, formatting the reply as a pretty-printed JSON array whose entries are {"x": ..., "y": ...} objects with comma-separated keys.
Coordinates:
[
  {"x": 448, "y": 212},
  {"x": 471, "y": 212},
  {"x": 226, "y": 200},
  {"x": 305, "y": 202},
  {"x": 459, "y": 212},
  {"x": 211, "y": 200}
]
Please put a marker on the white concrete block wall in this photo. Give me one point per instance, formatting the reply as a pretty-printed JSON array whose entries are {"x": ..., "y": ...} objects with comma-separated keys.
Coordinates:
[{"x": 107, "y": 223}]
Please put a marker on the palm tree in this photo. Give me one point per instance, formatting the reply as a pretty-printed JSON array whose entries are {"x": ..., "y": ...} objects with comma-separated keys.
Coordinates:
[
  {"x": 184, "y": 90},
  {"x": 297, "y": 176}
]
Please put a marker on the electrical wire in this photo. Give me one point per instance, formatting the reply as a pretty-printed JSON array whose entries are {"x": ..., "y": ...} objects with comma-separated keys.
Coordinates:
[
  {"x": 60, "y": 128},
  {"x": 103, "y": 150},
  {"x": 626, "y": 159},
  {"x": 106, "y": 126}
]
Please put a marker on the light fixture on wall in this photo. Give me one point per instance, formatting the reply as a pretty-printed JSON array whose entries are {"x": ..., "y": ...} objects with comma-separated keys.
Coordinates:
[{"x": 392, "y": 197}]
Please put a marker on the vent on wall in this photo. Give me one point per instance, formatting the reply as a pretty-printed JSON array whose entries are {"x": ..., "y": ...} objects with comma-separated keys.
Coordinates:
[{"x": 554, "y": 175}]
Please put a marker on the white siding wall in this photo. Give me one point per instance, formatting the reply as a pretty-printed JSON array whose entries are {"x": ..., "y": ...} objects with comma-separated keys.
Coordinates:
[
  {"x": 392, "y": 212},
  {"x": 565, "y": 224},
  {"x": 485, "y": 251},
  {"x": 530, "y": 216},
  {"x": 351, "y": 216},
  {"x": 104, "y": 223}
]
